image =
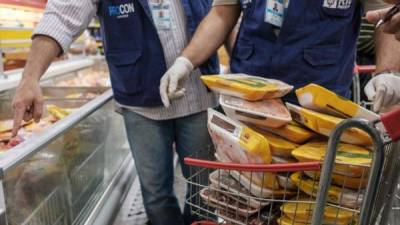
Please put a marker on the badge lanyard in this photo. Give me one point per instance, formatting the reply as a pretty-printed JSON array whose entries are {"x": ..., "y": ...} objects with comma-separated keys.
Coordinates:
[
  {"x": 274, "y": 11},
  {"x": 161, "y": 12}
]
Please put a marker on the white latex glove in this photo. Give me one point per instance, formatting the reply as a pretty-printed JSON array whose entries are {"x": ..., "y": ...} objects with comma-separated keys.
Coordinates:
[
  {"x": 384, "y": 91},
  {"x": 169, "y": 85}
]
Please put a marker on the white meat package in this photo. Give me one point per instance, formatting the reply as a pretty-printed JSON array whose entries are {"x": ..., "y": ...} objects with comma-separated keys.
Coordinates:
[
  {"x": 268, "y": 112},
  {"x": 234, "y": 142}
]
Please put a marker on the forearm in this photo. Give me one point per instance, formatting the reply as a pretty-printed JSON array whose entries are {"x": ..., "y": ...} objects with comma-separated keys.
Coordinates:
[
  {"x": 231, "y": 40},
  {"x": 42, "y": 53},
  {"x": 212, "y": 33},
  {"x": 387, "y": 52}
]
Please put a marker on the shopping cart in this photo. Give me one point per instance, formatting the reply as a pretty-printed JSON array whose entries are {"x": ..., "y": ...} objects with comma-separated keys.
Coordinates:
[
  {"x": 299, "y": 193},
  {"x": 377, "y": 206}
]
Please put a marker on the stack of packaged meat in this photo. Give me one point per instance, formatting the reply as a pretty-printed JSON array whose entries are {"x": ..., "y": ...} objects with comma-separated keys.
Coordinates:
[{"x": 258, "y": 128}]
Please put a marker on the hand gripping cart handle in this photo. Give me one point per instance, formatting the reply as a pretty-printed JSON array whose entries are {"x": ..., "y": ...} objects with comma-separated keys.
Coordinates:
[{"x": 385, "y": 182}]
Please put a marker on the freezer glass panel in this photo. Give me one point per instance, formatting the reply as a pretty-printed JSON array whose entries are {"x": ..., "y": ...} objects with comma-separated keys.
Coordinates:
[{"x": 63, "y": 182}]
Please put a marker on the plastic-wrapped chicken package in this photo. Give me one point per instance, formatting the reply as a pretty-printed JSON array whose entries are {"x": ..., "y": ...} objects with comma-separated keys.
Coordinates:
[
  {"x": 222, "y": 180},
  {"x": 268, "y": 112},
  {"x": 277, "y": 145},
  {"x": 301, "y": 212},
  {"x": 293, "y": 132},
  {"x": 336, "y": 195},
  {"x": 247, "y": 87},
  {"x": 351, "y": 160},
  {"x": 235, "y": 142},
  {"x": 7, "y": 125},
  {"x": 325, "y": 124},
  {"x": 322, "y": 100},
  {"x": 342, "y": 180}
]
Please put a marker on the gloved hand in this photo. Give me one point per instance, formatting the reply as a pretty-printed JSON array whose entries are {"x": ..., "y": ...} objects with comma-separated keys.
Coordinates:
[
  {"x": 384, "y": 91},
  {"x": 169, "y": 85}
]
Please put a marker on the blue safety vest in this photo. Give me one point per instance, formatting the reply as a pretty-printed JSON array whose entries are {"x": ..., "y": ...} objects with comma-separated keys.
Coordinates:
[
  {"x": 316, "y": 44},
  {"x": 134, "y": 52}
]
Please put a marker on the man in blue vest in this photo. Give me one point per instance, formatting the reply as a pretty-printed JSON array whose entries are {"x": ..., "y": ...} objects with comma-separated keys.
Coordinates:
[
  {"x": 142, "y": 38},
  {"x": 302, "y": 42}
]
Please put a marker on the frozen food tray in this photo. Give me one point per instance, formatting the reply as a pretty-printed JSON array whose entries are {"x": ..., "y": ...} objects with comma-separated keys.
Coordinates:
[
  {"x": 247, "y": 87},
  {"x": 322, "y": 100},
  {"x": 324, "y": 124},
  {"x": 237, "y": 143},
  {"x": 268, "y": 112},
  {"x": 221, "y": 179},
  {"x": 6, "y": 111}
]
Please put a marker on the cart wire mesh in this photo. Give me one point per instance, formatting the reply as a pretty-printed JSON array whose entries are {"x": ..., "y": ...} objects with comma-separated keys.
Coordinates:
[{"x": 230, "y": 193}]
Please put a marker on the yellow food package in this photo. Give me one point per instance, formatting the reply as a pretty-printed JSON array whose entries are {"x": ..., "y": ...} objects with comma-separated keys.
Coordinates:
[
  {"x": 247, "y": 87},
  {"x": 336, "y": 195},
  {"x": 293, "y": 132},
  {"x": 322, "y": 100},
  {"x": 234, "y": 142},
  {"x": 41, "y": 126},
  {"x": 284, "y": 220},
  {"x": 277, "y": 145},
  {"x": 325, "y": 124},
  {"x": 58, "y": 112},
  {"x": 351, "y": 160},
  {"x": 302, "y": 212},
  {"x": 343, "y": 181},
  {"x": 7, "y": 125}
]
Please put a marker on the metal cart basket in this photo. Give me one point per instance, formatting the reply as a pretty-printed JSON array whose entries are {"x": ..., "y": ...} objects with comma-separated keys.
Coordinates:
[{"x": 301, "y": 192}]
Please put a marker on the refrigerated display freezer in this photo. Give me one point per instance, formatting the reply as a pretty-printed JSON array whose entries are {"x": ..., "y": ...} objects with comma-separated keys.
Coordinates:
[{"x": 66, "y": 174}]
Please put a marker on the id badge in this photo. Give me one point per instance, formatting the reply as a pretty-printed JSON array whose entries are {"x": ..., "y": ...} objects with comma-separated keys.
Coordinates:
[
  {"x": 161, "y": 12},
  {"x": 274, "y": 12}
]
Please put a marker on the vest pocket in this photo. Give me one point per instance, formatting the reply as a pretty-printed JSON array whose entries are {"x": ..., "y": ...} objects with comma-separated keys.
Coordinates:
[
  {"x": 125, "y": 71},
  {"x": 322, "y": 55},
  {"x": 244, "y": 51}
]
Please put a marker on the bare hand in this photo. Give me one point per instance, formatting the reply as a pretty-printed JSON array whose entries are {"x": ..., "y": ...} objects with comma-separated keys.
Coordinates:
[
  {"x": 27, "y": 103},
  {"x": 390, "y": 27}
]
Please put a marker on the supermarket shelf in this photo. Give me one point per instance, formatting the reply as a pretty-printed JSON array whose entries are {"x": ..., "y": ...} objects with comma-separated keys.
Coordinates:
[
  {"x": 15, "y": 37},
  {"x": 13, "y": 158},
  {"x": 12, "y": 78}
]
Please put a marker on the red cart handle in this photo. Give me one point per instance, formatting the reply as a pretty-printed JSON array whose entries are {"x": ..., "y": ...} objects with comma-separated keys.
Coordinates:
[
  {"x": 391, "y": 121},
  {"x": 364, "y": 69},
  {"x": 284, "y": 167}
]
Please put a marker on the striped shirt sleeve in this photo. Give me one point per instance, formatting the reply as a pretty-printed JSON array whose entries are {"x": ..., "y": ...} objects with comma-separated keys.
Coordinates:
[
  {"x": 65, "y": 20},
  {"x": 374, "y": 5}
]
